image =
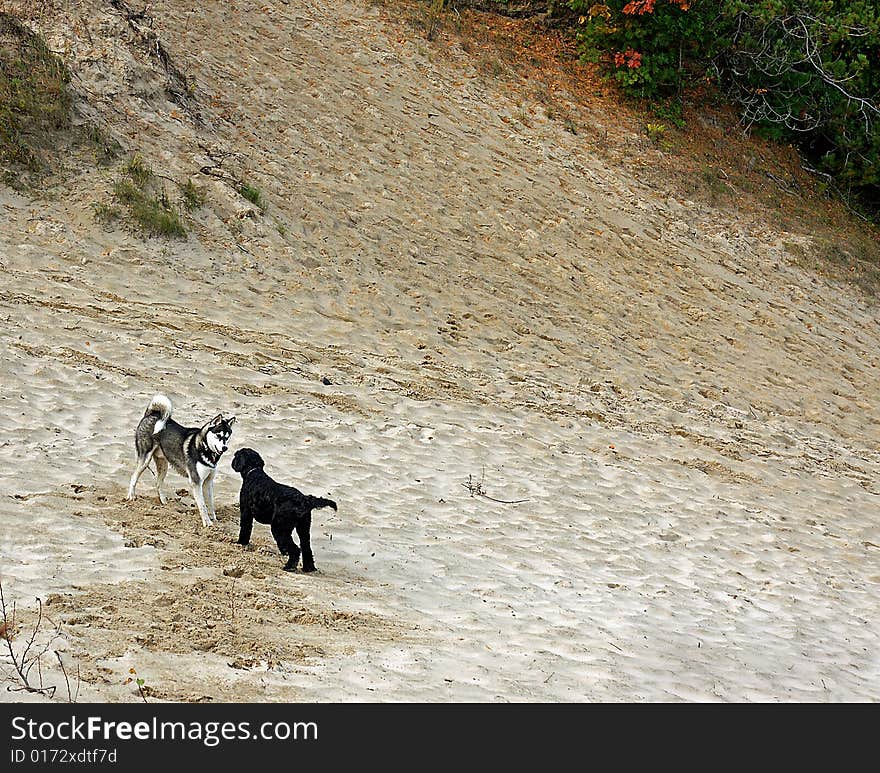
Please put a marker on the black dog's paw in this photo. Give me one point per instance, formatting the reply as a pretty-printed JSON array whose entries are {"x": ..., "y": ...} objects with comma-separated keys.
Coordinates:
[
  {"x": 311, "y": 568},
  {"x": 289, "y": 568}
]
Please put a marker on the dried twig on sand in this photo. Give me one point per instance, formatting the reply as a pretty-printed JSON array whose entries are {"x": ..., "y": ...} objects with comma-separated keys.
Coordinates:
[
  {"x": 30, "y": 656},
  {"x": 71, "y": 696},
  {"x": 476, "y": 489}
]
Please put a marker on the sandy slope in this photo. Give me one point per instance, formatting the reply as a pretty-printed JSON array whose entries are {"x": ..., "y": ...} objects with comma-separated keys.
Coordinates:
[{"x": 689, "y": 418}]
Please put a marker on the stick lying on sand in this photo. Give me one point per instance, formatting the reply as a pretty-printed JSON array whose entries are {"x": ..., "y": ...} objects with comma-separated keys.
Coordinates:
[{"x": 476, "y": 490}]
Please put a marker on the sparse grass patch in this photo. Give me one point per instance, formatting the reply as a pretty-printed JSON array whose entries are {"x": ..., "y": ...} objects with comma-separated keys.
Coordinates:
[
  {"x": 193, "y": 196},
  {"x": 107, "y": 213},
  {"x": 107, "y": 148},
  {"x": 428, "y": 17},
  {"x": 37, "y": 130},
  {"x": 139, "y": 198},
  {"x": 35, "y": 102},
  {"x": 253, "y": 195},
  {"x": 138, "y": 170},
  {"x": 712, "y": 178},
  {"x": 154, "y": 214},
  {"x": 435, "y": 11},
  {"x": 491, "y": 66}
]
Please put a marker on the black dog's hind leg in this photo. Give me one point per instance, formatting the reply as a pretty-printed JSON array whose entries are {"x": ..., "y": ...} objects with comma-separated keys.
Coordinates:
[
  {"x": 282, "y": 531},
  {"x": 303, "y": 530}
]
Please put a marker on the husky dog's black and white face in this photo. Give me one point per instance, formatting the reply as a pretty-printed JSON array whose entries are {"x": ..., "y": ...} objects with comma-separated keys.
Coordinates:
[{"x": 218, "y": 432}]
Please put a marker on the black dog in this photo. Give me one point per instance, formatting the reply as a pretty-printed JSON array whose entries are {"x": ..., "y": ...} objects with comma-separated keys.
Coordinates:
[{"x": 283, "y": 507}]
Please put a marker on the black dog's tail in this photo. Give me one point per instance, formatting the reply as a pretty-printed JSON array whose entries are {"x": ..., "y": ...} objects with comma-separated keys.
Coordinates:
[{"x": 321, "y": 502}]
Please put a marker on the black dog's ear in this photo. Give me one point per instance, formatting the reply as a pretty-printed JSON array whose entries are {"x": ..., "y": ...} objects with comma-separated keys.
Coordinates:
[{"x": 236, "y": 461}]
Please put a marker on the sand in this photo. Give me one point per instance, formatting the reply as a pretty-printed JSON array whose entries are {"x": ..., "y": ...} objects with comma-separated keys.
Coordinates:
[{"x": 449, "y": 300}]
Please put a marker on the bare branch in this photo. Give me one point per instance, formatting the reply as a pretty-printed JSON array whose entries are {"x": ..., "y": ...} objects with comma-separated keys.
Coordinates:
[{"x": 34, "y": 649}]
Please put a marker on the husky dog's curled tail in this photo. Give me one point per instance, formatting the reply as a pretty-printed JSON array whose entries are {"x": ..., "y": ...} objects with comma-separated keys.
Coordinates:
[
  {"x": 320, "y": 502},
  {"x": 155, "y": 418},
  {"x": 160, "y": 407}
]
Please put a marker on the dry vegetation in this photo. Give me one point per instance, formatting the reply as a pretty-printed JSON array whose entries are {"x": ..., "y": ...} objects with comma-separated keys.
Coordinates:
[
  {"x": 39, "y": 124},
  {"x": 710, "y": 157}
]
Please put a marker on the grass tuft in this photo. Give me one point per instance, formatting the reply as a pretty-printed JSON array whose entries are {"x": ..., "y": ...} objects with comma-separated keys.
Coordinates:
[
  {"x": 253, "y": 195},
  {"x": 138, "y": 198},
  {"x": 193, "y": 197}
]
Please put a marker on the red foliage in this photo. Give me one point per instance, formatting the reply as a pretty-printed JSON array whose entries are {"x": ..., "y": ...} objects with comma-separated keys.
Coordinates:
[
  {"x": 630, "y": 58},
  {"x": 641, "y": 7}
]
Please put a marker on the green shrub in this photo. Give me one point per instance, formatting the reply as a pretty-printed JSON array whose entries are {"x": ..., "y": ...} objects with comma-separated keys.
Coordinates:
[
  {"x": 801, "y": 71},
  {"x": 646, "y": 45},
  {"x": 808, "y": 72},
  {"x": 656, "y": 132}
]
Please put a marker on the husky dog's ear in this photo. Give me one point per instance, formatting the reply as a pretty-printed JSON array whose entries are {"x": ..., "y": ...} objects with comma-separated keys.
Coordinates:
[
  {"x": 231, "y": 420},
  {"x": 215, "y": 421}
]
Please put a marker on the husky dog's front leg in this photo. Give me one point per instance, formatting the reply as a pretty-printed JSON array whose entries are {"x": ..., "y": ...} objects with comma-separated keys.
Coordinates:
[
  {"x": 199, "y": 496},
  {"x": 209, "y": 495}
]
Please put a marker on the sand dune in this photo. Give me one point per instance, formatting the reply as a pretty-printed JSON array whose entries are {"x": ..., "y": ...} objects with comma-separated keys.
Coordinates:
[{"x": 680, "y": 421}]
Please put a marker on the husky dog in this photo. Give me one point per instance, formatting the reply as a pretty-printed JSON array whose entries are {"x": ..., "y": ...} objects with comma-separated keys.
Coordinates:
[{"x": 192, "y": 451}]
